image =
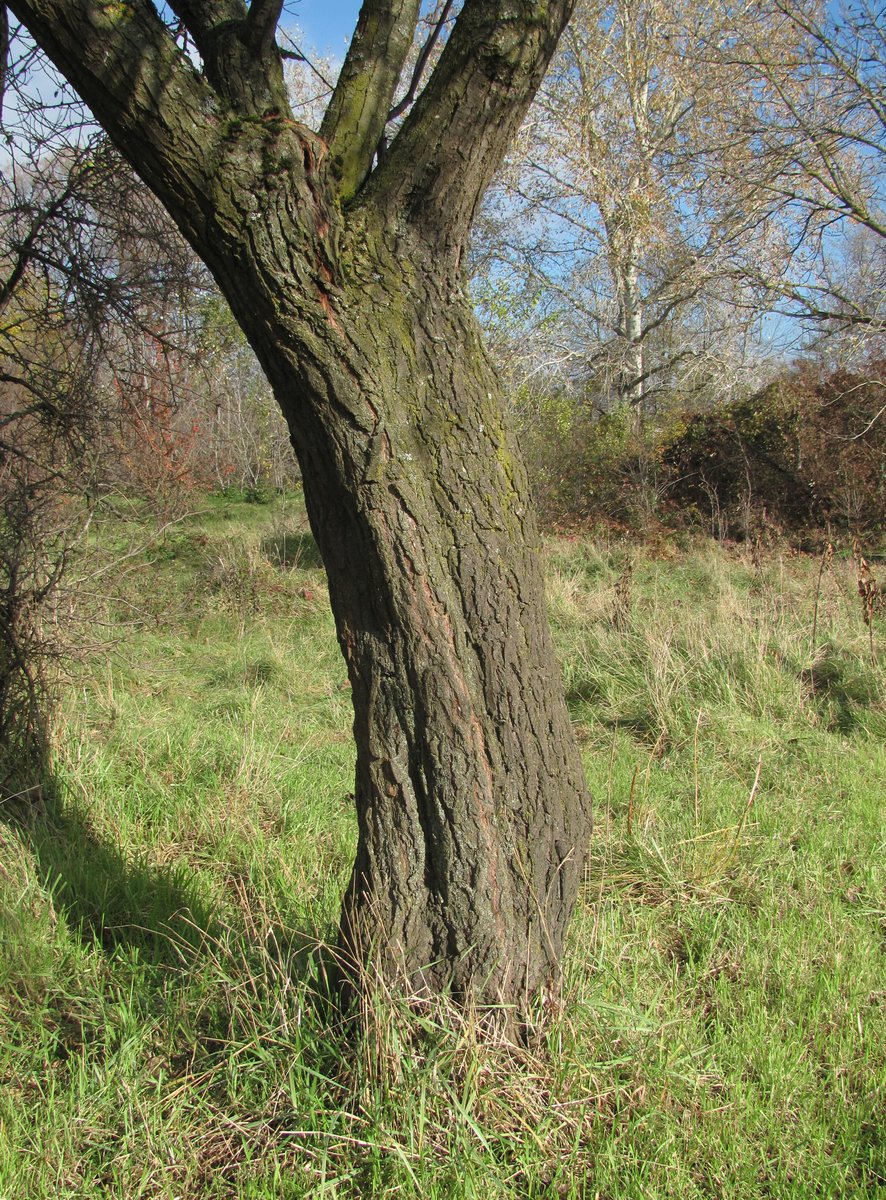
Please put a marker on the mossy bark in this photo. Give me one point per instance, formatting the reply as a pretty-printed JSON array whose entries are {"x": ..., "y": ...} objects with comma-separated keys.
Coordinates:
[
  {"x": 473, "y": 819},
  {"x": 473, "y": 815}
]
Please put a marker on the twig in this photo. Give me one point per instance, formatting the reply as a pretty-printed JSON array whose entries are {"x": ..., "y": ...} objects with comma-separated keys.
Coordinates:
[
  {"x": 695, "y": 759},
  {"x": 827, "y": 555},
  {"x": 747, "y": 809},
  {"x": 117, "y": 562}
]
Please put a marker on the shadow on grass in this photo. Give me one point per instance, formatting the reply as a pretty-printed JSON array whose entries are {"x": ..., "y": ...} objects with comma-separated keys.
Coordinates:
[
  {"x": 842, "y": 689},
  {"x": 112, "y": 901},
  {"x": 155, "y": 913},
  {"x": 582, "y": 691}
]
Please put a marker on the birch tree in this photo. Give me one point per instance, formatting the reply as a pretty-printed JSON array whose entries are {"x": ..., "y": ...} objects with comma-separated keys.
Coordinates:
[{"x": 614, "y": 207}]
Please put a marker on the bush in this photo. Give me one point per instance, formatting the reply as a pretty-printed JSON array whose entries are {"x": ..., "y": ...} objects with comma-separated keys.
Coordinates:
[
  {"x": 806, "y": 452},
  {"x": 588, "y": 466}
]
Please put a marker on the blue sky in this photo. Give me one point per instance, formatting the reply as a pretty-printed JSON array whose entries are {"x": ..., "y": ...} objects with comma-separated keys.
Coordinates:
[{"x": 326, "y": 24}]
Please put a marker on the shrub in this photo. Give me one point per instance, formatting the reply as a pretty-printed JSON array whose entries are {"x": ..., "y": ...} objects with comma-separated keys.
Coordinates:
[
  {"x": 588, "y": 466},
  {"x": 807, "y": 451}
]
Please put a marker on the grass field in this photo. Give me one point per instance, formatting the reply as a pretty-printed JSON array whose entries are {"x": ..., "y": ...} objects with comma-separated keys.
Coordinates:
[{"x": 723, "y": 1030}]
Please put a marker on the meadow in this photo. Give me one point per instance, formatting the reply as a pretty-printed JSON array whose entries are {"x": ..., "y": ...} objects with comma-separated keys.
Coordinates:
[{"x": 164, "y": 910}]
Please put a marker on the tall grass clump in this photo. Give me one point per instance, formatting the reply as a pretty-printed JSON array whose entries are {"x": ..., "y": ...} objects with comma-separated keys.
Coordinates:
[{"x": 168, "y": 920}]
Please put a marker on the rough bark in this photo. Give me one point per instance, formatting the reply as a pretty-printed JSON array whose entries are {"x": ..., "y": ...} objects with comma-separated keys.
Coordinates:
[
  {"x": 469, "y": 788},
  {"x": 473, "y": 816},
  {"x": 469, "y": 791}
]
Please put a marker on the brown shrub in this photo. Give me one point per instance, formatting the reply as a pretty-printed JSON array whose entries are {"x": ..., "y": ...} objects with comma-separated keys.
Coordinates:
[{"x": 806, "y": 452}]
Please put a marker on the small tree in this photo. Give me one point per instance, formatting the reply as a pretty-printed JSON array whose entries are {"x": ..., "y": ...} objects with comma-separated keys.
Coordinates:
[
  {"x": 46, "y": 371},
  {"x": 87, "y": 270}
]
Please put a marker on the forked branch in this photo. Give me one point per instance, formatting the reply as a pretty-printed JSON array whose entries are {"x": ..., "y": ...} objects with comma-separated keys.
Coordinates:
[
  {"x": 261, "y": 25},
  {"x": 202, "y": 17},
  {"x": 441, "y": 161}
]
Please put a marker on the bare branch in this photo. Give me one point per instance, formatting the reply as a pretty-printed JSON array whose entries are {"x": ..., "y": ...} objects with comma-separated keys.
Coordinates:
[
  {"x": 26, "y": 250},
  {"x": 426, "y": 51},
  {"x": 4, "y": 53},
  {"x": 155, "y": 106}
]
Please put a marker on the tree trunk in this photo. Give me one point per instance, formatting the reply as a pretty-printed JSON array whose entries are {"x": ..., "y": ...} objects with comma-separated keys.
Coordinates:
[
  {"x": 344, "y": 271},
  {"x": 632, "y": 382},
  {"x": 473, "y": 816}
]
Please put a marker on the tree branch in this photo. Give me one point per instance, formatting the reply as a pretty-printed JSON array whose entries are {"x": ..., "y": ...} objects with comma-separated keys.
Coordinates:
[
  {"x": 358, "y": 111},
  {"x": 162, "y": 116},
  {"x": 4, "y": 53},
  {"x": 261, "y": 25},
  {"x": 236, "y": 44},
  {"x": 441, "y": 161},
  {"x": 25, "y": 251},
  {"x": 427, "y": 50},
  {"x": 202, "y": 17}
]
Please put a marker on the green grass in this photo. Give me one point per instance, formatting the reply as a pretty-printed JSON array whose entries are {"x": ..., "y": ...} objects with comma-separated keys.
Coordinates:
[{"x": 163, "y": 921}]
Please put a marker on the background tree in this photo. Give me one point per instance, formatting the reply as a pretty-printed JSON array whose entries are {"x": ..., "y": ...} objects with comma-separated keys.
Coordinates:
[
  {"x": 614, "y": 214},
  {"x": 815, "y": 128},
  {"x": 50, "y": 361},
  {"x": 685, "y": 173},
  {"x": 694, "y": 194},
  {"x": 346, "y": 273},
  {"x": 95, "y": 288}
]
